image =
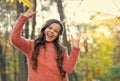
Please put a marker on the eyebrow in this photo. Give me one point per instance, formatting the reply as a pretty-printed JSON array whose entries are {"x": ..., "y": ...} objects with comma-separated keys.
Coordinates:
[{"x": 57, "y": 30}]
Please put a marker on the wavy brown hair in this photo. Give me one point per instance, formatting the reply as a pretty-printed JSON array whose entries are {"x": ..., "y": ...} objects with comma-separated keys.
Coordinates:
[{"x": 40, "y": 41}]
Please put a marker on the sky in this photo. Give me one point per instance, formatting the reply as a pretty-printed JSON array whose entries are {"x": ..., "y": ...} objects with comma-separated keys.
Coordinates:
[
  {"x": 78, "y": 11},
  {"x": 81, "y": 11},
  {"x": 107, "y": 6}
]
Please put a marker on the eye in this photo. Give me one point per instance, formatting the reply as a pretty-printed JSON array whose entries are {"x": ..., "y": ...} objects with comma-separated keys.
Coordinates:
[
  {"x": 56, "y": 31},
  {"x": 50, "y": 27}
]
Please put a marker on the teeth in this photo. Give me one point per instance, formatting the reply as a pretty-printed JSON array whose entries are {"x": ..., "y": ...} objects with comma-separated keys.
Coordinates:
[{"x": 49, "y": 34}]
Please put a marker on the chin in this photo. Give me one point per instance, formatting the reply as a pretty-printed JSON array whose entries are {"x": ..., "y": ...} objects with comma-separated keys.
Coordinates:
[{"x": 48, "y": 40}]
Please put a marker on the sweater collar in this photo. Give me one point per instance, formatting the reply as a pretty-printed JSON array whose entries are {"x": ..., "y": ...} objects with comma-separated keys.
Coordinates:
[{"x": 49, "y": 43}]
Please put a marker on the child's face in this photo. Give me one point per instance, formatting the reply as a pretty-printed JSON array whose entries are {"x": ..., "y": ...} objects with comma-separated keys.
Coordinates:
[{"x": 52, "y": 31}]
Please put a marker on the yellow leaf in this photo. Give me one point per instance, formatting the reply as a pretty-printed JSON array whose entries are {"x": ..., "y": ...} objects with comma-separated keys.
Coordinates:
[
  {"x": 71, "y": 23},
  {"x": 11, "y": 1},
  {"x": 19, "y": 1},
  {"x": 26, "y": 3},
  {"x": 64, "y": 20},
  {"x": 7, "y": 0}
]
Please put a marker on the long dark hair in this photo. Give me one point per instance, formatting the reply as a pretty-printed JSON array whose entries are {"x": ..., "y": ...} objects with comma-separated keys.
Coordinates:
[{"x": 40, "y": 41}]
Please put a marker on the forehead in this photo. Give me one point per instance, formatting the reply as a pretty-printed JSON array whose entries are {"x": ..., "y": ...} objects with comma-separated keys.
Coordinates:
[{"x": 55, "y": 26}]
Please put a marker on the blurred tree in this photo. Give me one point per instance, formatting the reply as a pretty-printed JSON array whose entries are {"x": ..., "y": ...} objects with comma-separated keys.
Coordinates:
[
  {"x": 72, "y": 76},
  {"x": 22, "y": 59},
  {"x": 2, "y": 64},
  {"x": 116, "y": 55},
  {"x": 33, "y": 20},
  {"x": 23, "y": 69},
  {"x": 96, "y": 58},
  {"x": 5, "y": 14}
]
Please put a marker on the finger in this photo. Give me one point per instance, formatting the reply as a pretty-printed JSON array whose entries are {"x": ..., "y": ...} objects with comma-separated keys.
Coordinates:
[
  {"x": 79, "y": 35},
  {"x": 71, "y": 36},
  {"x": 32, "y": 8},
  {"x": 31, "y": 14}
]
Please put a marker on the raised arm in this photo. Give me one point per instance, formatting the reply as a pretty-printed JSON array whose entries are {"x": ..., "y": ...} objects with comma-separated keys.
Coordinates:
[
  {"x": 70, "y": 61},
  {"x": 16, "y": 39}
]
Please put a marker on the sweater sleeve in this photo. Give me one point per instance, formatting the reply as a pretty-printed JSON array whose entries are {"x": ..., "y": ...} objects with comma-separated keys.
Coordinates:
[
  {"x": 17, "y": 40},
  {"x": 70, "y": 61}
]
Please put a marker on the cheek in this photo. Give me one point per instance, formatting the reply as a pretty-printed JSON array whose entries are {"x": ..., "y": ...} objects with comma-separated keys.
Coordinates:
[
  {"x": 45, "y": 31},
  {"x": 56, "y": 35}
]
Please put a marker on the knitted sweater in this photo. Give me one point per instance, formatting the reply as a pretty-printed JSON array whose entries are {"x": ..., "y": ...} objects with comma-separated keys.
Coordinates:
[{"x": 47, "y": 69}]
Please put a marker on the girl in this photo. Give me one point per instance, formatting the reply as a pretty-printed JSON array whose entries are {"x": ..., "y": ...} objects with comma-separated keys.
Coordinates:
[{"x": 47, "y": 59}]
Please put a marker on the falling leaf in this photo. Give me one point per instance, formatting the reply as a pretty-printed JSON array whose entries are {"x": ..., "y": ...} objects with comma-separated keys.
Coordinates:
[
  {"x": 26, "y": 3},
  {"x": 11, "y": 1},
  {"x": 7, "y": 0}
]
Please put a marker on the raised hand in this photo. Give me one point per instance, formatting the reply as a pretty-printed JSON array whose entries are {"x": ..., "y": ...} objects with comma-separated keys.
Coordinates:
[
  {"x": 29, "y": 13},
  {"x": 76, "y": 41}
]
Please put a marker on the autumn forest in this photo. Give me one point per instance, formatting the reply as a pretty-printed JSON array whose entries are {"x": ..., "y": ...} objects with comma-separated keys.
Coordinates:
[{"x": 99, "y": 58}]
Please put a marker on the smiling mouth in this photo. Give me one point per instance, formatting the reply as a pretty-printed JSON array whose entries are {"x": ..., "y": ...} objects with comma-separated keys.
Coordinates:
[{"x": 49, "y": 36}]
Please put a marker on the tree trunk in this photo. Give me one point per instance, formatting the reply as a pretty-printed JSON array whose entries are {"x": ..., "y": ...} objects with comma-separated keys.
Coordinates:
[
  {"x": 15, "y": 64},
  {"x": 23, "y": 71},
  {"x": 33, "y": 21},
  {"x": 62, "y": 17},
  {"x": 2, "y": 65},
  {"x": 116, "y": 54},
  {"x": 72, "y": 76}
]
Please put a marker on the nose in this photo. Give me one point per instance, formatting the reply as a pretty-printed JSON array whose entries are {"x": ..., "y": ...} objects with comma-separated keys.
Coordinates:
[{"x": 52, "y": 31}]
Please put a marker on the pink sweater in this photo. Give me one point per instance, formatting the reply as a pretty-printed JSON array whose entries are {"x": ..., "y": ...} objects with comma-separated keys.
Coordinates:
[{"x": 47, "y": 69}]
